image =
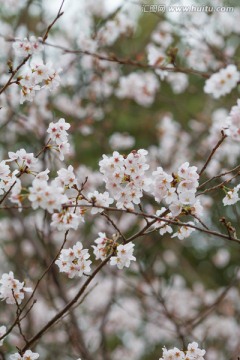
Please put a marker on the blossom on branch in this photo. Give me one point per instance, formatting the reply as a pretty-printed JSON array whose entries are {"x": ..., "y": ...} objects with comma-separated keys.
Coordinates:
[
  {"x": 222, "y": 82},
  {"x": 28, "y": 355},
  {"x": 12, "y": 290},
  {"x": 124, "y": 256},
  {"x": 193, "y": 353},
  {"x": 74, "y": 261},
  {"x": 27, "y": 47}
]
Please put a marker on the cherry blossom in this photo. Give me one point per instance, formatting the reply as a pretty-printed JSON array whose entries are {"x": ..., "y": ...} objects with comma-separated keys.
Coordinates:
[
  {"x": 58, "y": 134},
  {"x": 184, "y": 231},
  {"x": 99, "y": 199},
  {"x": 38, "y": 77},
  {"x": 69, "y": 218},
  {"x": 222, "y": 82},
  {"x": 23, "y": 159},
  {"x": 28, "y": 355},
  {"x": 231, "y": 196},
  {"x": 125, "y": 178},
  {"x": 74, "y": 261},
  {"x": 28, "y": 47},
  {"x": 193, "y": 353},
  {"x": 124, "y": 256},
  {"x": 12, "y": 290},
  {"x": 47, "y": 196}
]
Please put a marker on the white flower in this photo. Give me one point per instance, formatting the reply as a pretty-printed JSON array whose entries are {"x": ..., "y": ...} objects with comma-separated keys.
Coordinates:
[
  {"x": 73, "y": 261},
  {"x": 184, "y": 231},
  {"x": 222, "y": 82},
  {"x": 67, "y": 219},
  {"x": 4, "y": 171},
  {"x": 28, "y": 47},
  {"x": 5, "y": 176},
  {"x": 66, "y": 177},
  {"x": 171, "y": 195},
  {"x": 22, "y": 158},
  {"x": 187, "y": 172},
  {"x": 28, "y": 355},
  {"x": 53, "y": 80},
  {"x": 194, "y": 353},
  {"x": 124, "y": 256},
  {"x": 58, "y": 130},
  {"x": 38, "y": 77},
  {"x": 231, "y": 196},
  {"x": 176, "y": 208},
  {"x": 173, "y": 354},
  {"x": 187, "y": 197},
  {"x": 12, "y": 290},
  {"x": 43, "y": 175},
  {"x": 125, "y": 177},
  {"x": 163, "y": 226},
  {"x": 15, "y": 196},
  {"x": 161, "y": 184},
  {"x": 48, "y": 197},
  {"x": 99, "y": 199},
  {"x": 100, "y": 250},
  {"x": 41, "y": 72},
  {"x": 59, "y": 136}
]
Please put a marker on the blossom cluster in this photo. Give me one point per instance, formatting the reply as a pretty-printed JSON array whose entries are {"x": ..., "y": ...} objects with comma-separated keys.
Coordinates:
[
  {"x": 68, "y": 218},
  {"x": 99, "y": 200},
  {"x": 7, "y": 178},
  {"x": 23, "y": 159},
  {"x": 124, "y": 177},
  {"x": 101, "y": 249},
  {"x": 179, "y": 192},
  {"x": 39, "y": 76},
  {"x": 232, "y": 196},
  {"x": 27, "y": 47},
  {"x": 193, "y": 353},
  {"x": 124, "y": 256},
  {"x": 74, "y": 261},
  {"x": 222, "y": 82},
  {"x": 49, "y": 197},
  {"x": 179, "y": 189},
  {"x": 59, "y": 136},
  {"x": 12, "y": 290},
  {"x": 28, "y": 355}
]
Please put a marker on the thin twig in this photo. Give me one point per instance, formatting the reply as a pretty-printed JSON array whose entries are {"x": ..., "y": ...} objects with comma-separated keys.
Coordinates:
[
  {"x": 14, "y": 72},
  {"x": 120, "y": 61},
  {"x": 213, "y": 152}
]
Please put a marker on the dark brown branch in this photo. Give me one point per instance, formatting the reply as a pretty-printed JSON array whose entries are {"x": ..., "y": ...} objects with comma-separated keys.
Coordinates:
[
  {"x": 68, "y": 306},
  {"x": 115, "y": 59}
]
